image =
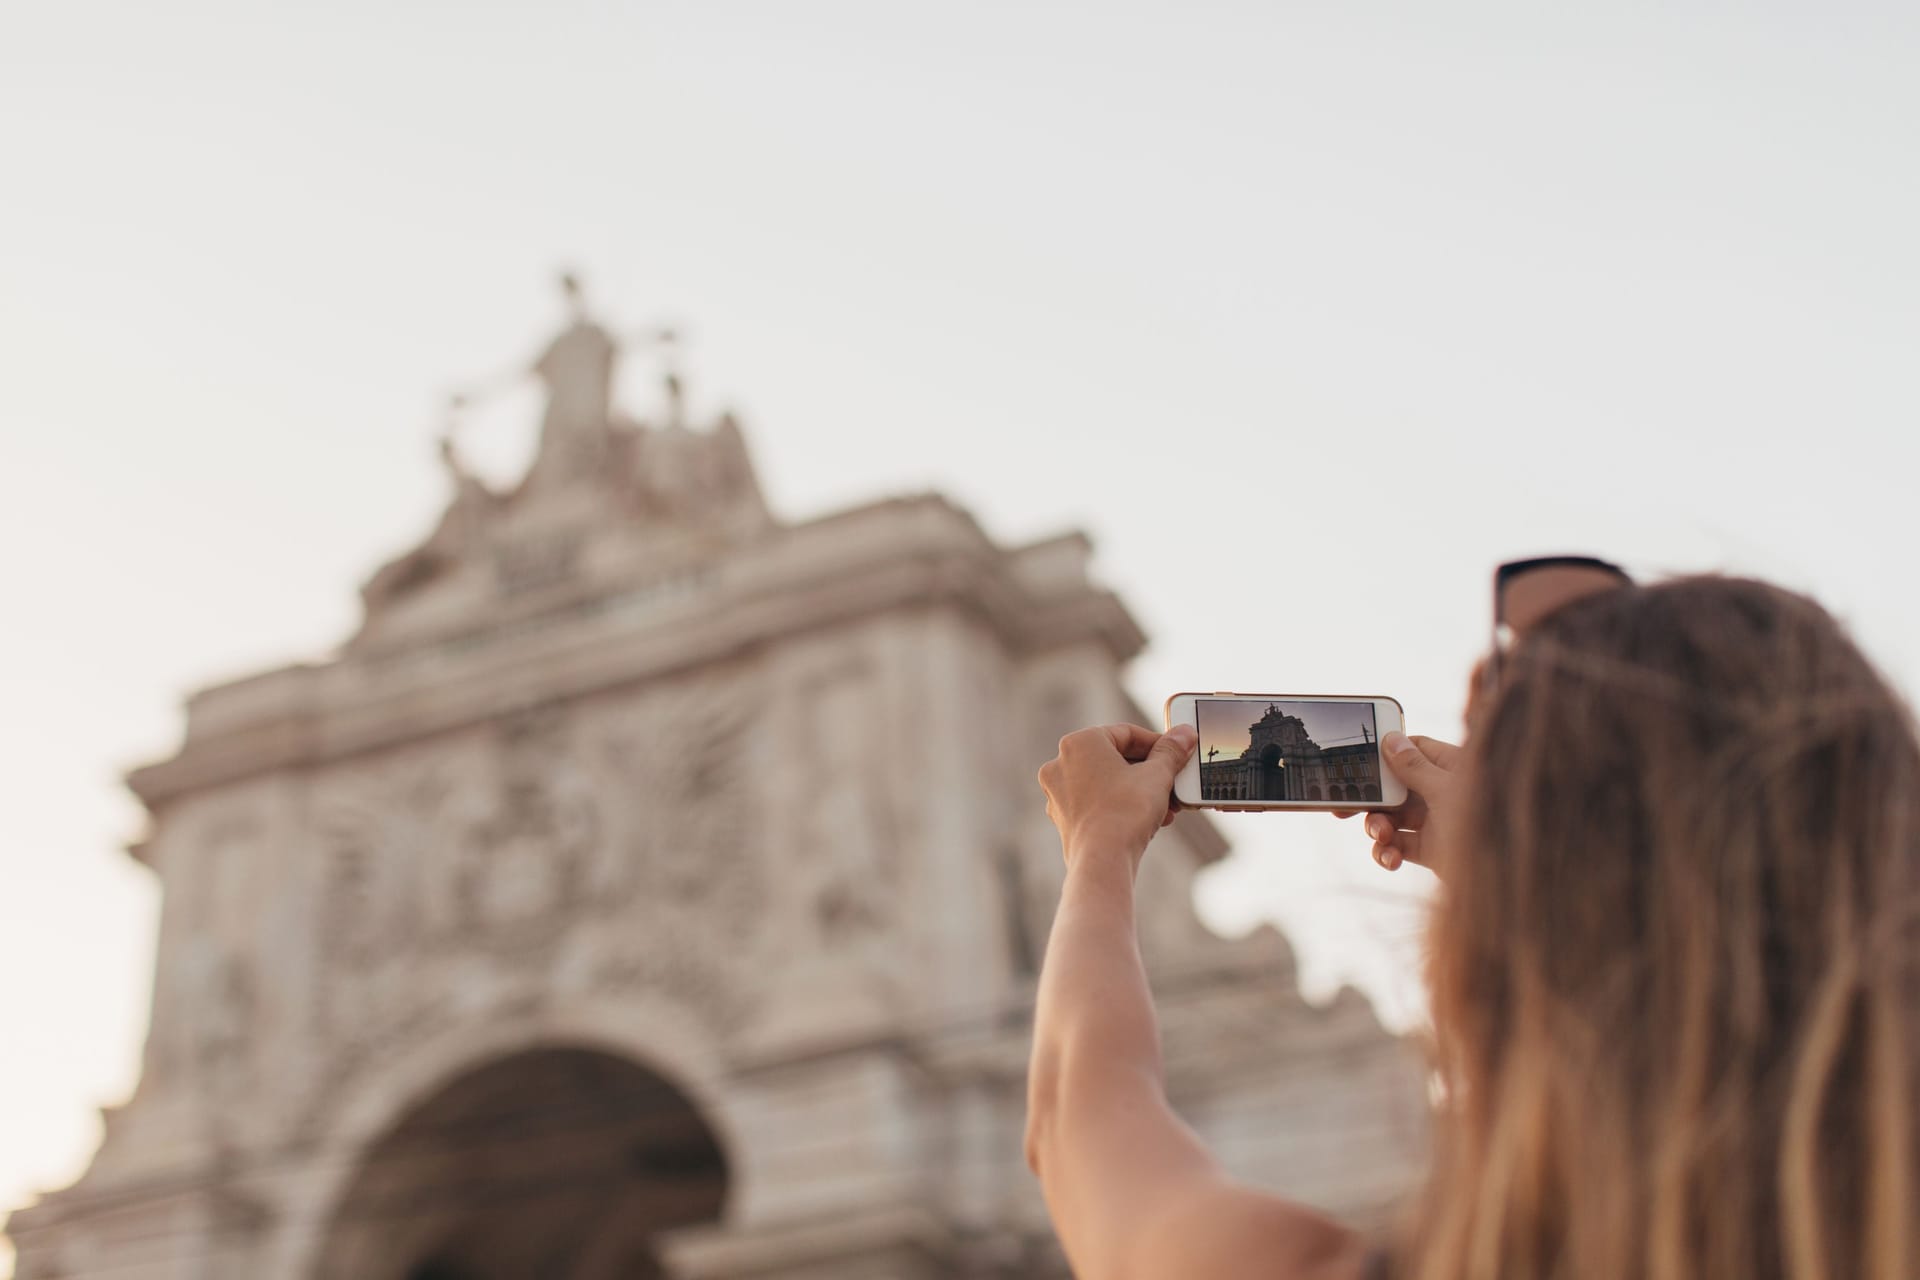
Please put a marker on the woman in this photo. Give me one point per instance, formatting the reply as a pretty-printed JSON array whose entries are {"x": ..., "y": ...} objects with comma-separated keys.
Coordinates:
[{"x": 1674, "y": 967}]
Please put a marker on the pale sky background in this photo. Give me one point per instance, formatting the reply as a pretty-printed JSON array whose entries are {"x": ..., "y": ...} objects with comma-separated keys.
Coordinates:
[
  {"x": 1435, "y": 284},
  {"x": 1227, "y": 723}
]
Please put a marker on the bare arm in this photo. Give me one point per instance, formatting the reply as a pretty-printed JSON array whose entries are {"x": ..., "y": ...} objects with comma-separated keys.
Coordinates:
[{"x": 1131, "y": 1190}]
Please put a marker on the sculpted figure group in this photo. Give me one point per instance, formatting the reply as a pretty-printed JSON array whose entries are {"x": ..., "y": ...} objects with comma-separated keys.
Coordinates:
[{"x": 667, "y": 473}]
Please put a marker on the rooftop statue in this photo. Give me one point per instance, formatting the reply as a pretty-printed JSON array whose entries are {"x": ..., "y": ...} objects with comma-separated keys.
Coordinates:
[
  {"x": 577, "y": 367},
  {"x": 594, "y": 470}
]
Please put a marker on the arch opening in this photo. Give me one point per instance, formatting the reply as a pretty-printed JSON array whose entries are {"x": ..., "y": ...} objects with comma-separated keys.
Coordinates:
[
  {"x": 1270, "y": 780},
  {"x": 560, "y": 1162}
]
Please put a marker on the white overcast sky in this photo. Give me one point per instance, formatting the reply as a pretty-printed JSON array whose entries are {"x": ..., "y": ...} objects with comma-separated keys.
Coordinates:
[{"x": 1307, "y": 312}]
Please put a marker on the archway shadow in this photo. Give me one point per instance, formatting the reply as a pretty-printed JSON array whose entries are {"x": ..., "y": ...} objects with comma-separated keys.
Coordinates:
[{"x": 552, "y": 1162}]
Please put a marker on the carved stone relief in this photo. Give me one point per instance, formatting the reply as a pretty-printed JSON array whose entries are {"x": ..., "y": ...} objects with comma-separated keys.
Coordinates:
[
  {"x": 554, "y": 852},
  {"x": 686, "y": 850},
  {"x": 849, "y": 834},
  {"x": 838, "y": 958},
  {"x": 206, "y": 1016}
]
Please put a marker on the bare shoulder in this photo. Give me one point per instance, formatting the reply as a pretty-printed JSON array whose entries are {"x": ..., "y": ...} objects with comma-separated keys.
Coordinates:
[{"x": 1215, "y": 1229}]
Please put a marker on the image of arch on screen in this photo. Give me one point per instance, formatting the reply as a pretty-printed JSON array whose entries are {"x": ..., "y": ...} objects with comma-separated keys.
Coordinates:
[{"x": 1276, "y": 751}]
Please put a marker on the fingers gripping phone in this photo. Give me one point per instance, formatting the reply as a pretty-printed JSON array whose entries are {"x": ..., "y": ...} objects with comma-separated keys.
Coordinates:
[{"x": 1280, "y": 751}]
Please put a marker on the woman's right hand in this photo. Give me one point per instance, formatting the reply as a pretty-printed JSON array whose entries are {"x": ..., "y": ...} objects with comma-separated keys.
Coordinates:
[{"x": 1423, "y": 829}]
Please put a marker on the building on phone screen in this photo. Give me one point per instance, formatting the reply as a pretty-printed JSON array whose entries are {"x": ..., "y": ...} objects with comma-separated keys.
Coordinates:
[
  {"x": 1283, "y": 763},
  {"x": 652, "y": 887}
]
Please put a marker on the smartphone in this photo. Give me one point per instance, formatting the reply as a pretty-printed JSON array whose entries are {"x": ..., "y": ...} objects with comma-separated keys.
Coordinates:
[{"x": 1266, "y": 751}]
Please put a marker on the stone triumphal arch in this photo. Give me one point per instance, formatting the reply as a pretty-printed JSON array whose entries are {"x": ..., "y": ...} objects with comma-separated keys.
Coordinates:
[{"x": 651, "y": 887}]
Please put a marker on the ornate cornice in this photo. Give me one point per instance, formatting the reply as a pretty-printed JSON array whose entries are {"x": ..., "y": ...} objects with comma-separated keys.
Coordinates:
[{"x": 880, "y": 559}]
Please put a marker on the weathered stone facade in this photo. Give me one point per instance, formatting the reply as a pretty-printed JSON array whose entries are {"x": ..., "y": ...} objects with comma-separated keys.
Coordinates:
[{"x": 653, "y": 888}]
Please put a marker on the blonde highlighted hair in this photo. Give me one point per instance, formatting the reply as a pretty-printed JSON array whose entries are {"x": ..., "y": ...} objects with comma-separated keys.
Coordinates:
[{"x": 1676, "y": 971}]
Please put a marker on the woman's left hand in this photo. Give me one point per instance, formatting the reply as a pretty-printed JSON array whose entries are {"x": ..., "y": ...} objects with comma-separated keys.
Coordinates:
[{"x": 1114, "y": 785}]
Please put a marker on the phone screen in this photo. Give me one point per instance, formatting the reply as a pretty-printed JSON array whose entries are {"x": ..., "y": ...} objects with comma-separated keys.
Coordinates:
[{"x": 1275, "y": 750}]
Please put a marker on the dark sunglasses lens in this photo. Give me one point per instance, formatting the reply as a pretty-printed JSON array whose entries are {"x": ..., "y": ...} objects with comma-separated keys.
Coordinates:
[{"x": 1528, "y": 594}]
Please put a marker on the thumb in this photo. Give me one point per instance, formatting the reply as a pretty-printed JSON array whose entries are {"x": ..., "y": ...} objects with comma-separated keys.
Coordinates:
[
  {"x": 1410, "y": 764},
  {"x": 1171, "y": 751}
]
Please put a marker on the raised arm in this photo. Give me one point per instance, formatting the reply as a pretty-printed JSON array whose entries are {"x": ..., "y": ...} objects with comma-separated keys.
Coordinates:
[{"x": 1132, "y": 1192}]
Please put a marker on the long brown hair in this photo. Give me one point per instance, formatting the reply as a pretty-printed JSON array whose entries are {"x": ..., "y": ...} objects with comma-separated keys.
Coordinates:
[{"x": 1676, "y": 969}]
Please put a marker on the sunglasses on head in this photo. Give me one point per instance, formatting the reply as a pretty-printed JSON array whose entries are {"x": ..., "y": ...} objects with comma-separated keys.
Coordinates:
[{"x": 1525, "y": 592}]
